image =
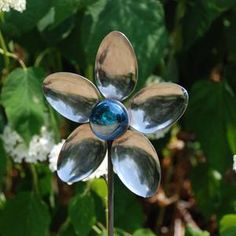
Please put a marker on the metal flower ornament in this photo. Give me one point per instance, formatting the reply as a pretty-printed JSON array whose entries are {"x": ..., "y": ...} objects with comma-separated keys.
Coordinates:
[{"x": 108, "y": 124}]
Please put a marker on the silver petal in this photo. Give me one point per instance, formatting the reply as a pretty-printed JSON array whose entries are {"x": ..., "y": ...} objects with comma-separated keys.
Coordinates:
[
  {"x": 81, "y": 155},
  {"x": 157, "y": 107},
  {"x": 72, "y": 95},
  {"x": 136, "y": 163},
  {"x": 116, "y": 66}
]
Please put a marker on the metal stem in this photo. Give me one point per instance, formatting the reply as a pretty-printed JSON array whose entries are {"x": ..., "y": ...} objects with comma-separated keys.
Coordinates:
[{"x": 110, "y": 182}]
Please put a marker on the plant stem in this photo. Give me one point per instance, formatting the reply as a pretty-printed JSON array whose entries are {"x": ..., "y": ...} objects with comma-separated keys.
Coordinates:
[
  {"x": 34, "y": 178},
  {"x": 4, "y": 48},
  {"x": 110, "y": 182},
  {"x": 12, "y": 55}
]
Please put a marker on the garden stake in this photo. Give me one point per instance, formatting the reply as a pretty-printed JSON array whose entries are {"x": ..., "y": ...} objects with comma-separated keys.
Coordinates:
[{"x": 111, "y": 125}]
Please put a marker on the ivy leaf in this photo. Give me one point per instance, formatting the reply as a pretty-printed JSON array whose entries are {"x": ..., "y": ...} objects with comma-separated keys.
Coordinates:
[
  {"x": 199, "y": 16},
  {"x": 228, "y": 225},
  {"x": 212, "y": 115},
  {"x": 23, "y": 101},
  {"x": 25, "y": 214},
  {"x": 190, "y": 231},
  {"x": 82, "y": 213},
  {"x": 147, "y": 33},
  {"x": 16, "y": 23}
]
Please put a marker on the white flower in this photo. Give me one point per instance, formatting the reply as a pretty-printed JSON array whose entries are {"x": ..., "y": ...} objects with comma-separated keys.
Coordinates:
[
  {"x": 234, "y": 163},
  {"x": 40, "y": 146},
  {"x": 100, "y": 171},
  {"x": 14, "y": 144},
  {"x": 38, "y": 150},
  {"x": 53, "y": 155},
  {"x": 18, "y": 5}
]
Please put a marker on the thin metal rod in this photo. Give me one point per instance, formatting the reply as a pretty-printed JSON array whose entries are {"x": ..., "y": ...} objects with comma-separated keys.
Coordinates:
[{"x": 110, "y": 182}]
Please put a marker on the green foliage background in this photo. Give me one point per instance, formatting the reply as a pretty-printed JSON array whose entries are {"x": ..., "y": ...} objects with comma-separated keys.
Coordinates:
[{"x": 192, "y": 43}]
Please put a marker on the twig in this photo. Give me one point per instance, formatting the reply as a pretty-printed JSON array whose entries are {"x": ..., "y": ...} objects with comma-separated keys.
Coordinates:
[
  {"x": 4, "y": 50},
  {"x": 179, "y": 229},
  {"x": 12, "y": 55},
  {"x": 182, "y": 208}
]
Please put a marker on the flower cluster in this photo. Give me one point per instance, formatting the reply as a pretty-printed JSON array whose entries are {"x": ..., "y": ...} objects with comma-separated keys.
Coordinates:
[
  {"x": 53, "y": 158},
  {"x": 38, "y": 149},
  {"x": 234, "y": 163},
  {"x": 18, "y": 5},
  {"x": 41, "y": 148},
  {"x": 53, "y": 155},
  {"x": 102, "y": 170}
]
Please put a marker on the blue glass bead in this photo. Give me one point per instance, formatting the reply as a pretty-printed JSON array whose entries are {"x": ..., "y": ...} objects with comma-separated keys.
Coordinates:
[{"x": 109, "y": 119}]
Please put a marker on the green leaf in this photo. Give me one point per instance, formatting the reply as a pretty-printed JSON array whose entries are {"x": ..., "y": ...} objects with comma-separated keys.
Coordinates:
[
  {"x": 2, "y": 119},
  {"x": 228, "y": 221},
  {"x": 199, "y": 16},
  {"x": 25, "y": 214},
  {"x": 117, "y": 232},
  {"x": 171, "y": 72},
  {"x": 190, "y": 231},
  {"x": 230, "y": 119},
  {"x": 210, "y": 182},
  {"x": 67, "y": 8},
  {"x": 228, "y": 225},
  {"x": 16, "y": 23},
  {"x": 229, "y": 232},
  {"x": 99, "y": 186},
  {"x": 143, "y": 232},
  {"x": 230, "y": 29},
  {"x": 120, "y": 232},
  {"x": 44, "y": 180},
  {"x": 230, "y": 129},
  {"x": 230, "y": 72},
  {"x": 214, "y": 194},
  {"x": 211, "y": 115},
  {"x": 23, "y": 101},
  {"x": 53, "y": 35},
  {"x": 82, "y": 213},
  {"x": 126, "y": 204},
  {"x": 3, "y": 162},
  {"x": 147, "y": 33},
  {"x": 67, "y": 230},
  {"x": 60, "y": 20}
]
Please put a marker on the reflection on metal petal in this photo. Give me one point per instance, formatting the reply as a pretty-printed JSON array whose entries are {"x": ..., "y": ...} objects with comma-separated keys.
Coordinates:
[
  {"x": 81, "y": 155},
  {"x": 157, "y": 107},
  {"x": 71, "y": 95},
  {"x": 136, "y": 163},
  {"x": 116, "y": 66}
]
